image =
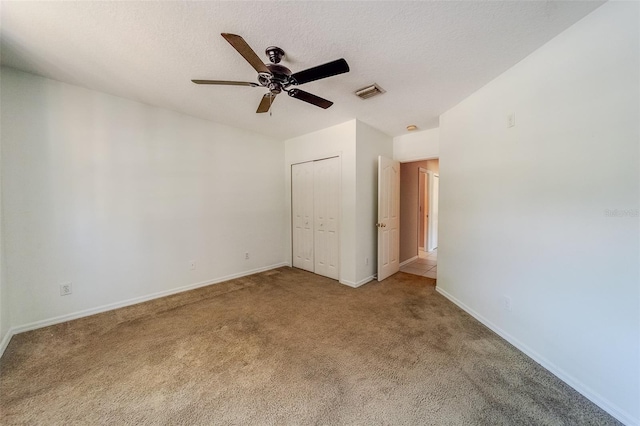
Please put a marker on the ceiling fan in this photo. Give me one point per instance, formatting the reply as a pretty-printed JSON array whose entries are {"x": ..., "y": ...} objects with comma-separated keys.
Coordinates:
[{"x": 278, "y": 78}]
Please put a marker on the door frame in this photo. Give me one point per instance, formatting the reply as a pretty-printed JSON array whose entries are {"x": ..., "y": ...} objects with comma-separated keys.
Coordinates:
[
  {"x": 413, "y": 160},
  {"x": 427, "y": 179},
  {"x": 430, "y": 225}
]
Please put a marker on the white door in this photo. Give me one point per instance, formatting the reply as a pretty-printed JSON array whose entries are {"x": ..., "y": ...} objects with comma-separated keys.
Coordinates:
[
  {"x": 422, "y": 212},
  {"x": 302, "y": 215},
  {"x": 433, "y": 213},
  {"x": 388, "y": 217},
  {"x": 326, "y": 191}
]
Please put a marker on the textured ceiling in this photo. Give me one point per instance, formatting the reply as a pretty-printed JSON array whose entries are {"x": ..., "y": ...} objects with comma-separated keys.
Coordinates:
[{"x": 428, "y": 56}]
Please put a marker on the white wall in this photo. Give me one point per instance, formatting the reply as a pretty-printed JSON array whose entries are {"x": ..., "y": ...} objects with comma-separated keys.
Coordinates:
[
  {"x": 359, "y": 183},
  {"x": 370, "y": 143},
  {"x": 329, "y": 142},
  {"x": 118, "y": 197},
  {"x": 417, "y": 145},
  {"x": 523, "y": 209},
  {"x": 5, "y": 306}
]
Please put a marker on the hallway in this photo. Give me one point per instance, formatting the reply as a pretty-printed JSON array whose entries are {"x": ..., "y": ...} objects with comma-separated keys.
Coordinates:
[{"x": 425, "y": 265}]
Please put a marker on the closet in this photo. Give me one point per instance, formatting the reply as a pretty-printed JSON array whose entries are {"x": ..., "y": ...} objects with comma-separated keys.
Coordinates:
[{"x": 315, "y": 210}]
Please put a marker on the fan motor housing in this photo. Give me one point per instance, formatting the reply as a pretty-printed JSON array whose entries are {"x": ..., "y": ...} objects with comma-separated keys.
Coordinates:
[
  {"x": 278, "y": 78},
  {"x": 279, "y": 70}
]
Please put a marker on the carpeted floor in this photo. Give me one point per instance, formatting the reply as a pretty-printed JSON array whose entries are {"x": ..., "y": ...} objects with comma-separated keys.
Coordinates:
[{"x": 283, "y": 347}]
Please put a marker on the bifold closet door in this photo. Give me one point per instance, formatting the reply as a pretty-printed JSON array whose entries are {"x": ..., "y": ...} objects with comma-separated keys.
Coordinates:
[
  {"x": 315, "y": 210},
  {"x": 326, "y": 208},
  {"x": 302, "y": 215}
]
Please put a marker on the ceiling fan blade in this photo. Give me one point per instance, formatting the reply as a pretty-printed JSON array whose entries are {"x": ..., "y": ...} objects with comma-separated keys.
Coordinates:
[
  {"x": 266, "y": 102},
  {"x": 308, "y": 97},
  {"x": 321, "y": 71},
  {"x": 247, "y": 52},
  {"x": 226, "y": 83}
]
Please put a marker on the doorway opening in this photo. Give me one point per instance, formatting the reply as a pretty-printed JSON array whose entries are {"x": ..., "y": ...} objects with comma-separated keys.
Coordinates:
[{"x": 419, "y": 190}]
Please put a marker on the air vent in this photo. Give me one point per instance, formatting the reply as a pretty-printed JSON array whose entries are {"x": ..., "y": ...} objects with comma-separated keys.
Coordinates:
[{"x": 369, "y": 91}]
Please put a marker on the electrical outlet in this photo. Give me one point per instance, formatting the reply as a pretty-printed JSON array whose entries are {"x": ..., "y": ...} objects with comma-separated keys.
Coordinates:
[
  {"x": 366, "y": 260},
  {"x": 65, "y": 289},
  {"x": 246, "y": 256},
  {"x": 507, "y": 303},
  {"x": 192, "y": 265},
  {"x": 511, "y": 120}
]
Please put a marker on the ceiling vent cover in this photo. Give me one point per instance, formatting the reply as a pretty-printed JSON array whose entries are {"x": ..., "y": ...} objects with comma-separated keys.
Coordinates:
[{"x": 370, "y": 91}]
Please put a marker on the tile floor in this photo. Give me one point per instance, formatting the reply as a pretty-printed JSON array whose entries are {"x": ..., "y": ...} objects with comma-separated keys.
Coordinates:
[{"x": 425, "y": 265}]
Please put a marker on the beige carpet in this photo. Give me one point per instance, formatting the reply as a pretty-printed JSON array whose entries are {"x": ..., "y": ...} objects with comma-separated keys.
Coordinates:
[{"x": 283, "y": 347}]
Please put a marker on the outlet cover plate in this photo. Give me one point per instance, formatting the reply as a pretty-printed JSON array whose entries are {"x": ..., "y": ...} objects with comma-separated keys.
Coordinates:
[{"x": 66, "y": 289}]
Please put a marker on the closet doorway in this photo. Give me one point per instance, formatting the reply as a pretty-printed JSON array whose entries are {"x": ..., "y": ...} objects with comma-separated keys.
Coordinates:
[{"x": 315, "y": 212}]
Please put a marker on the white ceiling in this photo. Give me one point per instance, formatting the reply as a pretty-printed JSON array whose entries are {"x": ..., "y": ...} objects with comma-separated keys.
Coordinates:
[{"x": 428, "y": 56}]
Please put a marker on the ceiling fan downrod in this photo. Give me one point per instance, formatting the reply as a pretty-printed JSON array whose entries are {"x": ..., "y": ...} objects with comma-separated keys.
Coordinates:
[{"x": 275, "y": 54}]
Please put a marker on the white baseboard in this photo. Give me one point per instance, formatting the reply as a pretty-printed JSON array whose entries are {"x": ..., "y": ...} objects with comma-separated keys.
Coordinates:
[
  {"x": 359, "y": 283},
  {"x": 587, "y": 392},
  {"x": 406, "y": 262},
  {"x": 109, "y": 307},
  {"x": 5, "y": 340}
]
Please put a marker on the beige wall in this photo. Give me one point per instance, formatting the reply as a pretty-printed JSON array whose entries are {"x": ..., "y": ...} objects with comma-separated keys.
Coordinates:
[{"x": 409, "y": 180}]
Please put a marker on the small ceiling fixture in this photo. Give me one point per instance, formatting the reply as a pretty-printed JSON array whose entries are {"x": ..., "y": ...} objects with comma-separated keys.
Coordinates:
[
  {"x": 369, "y": 91},
  {"x": 412, "y": 127}
]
